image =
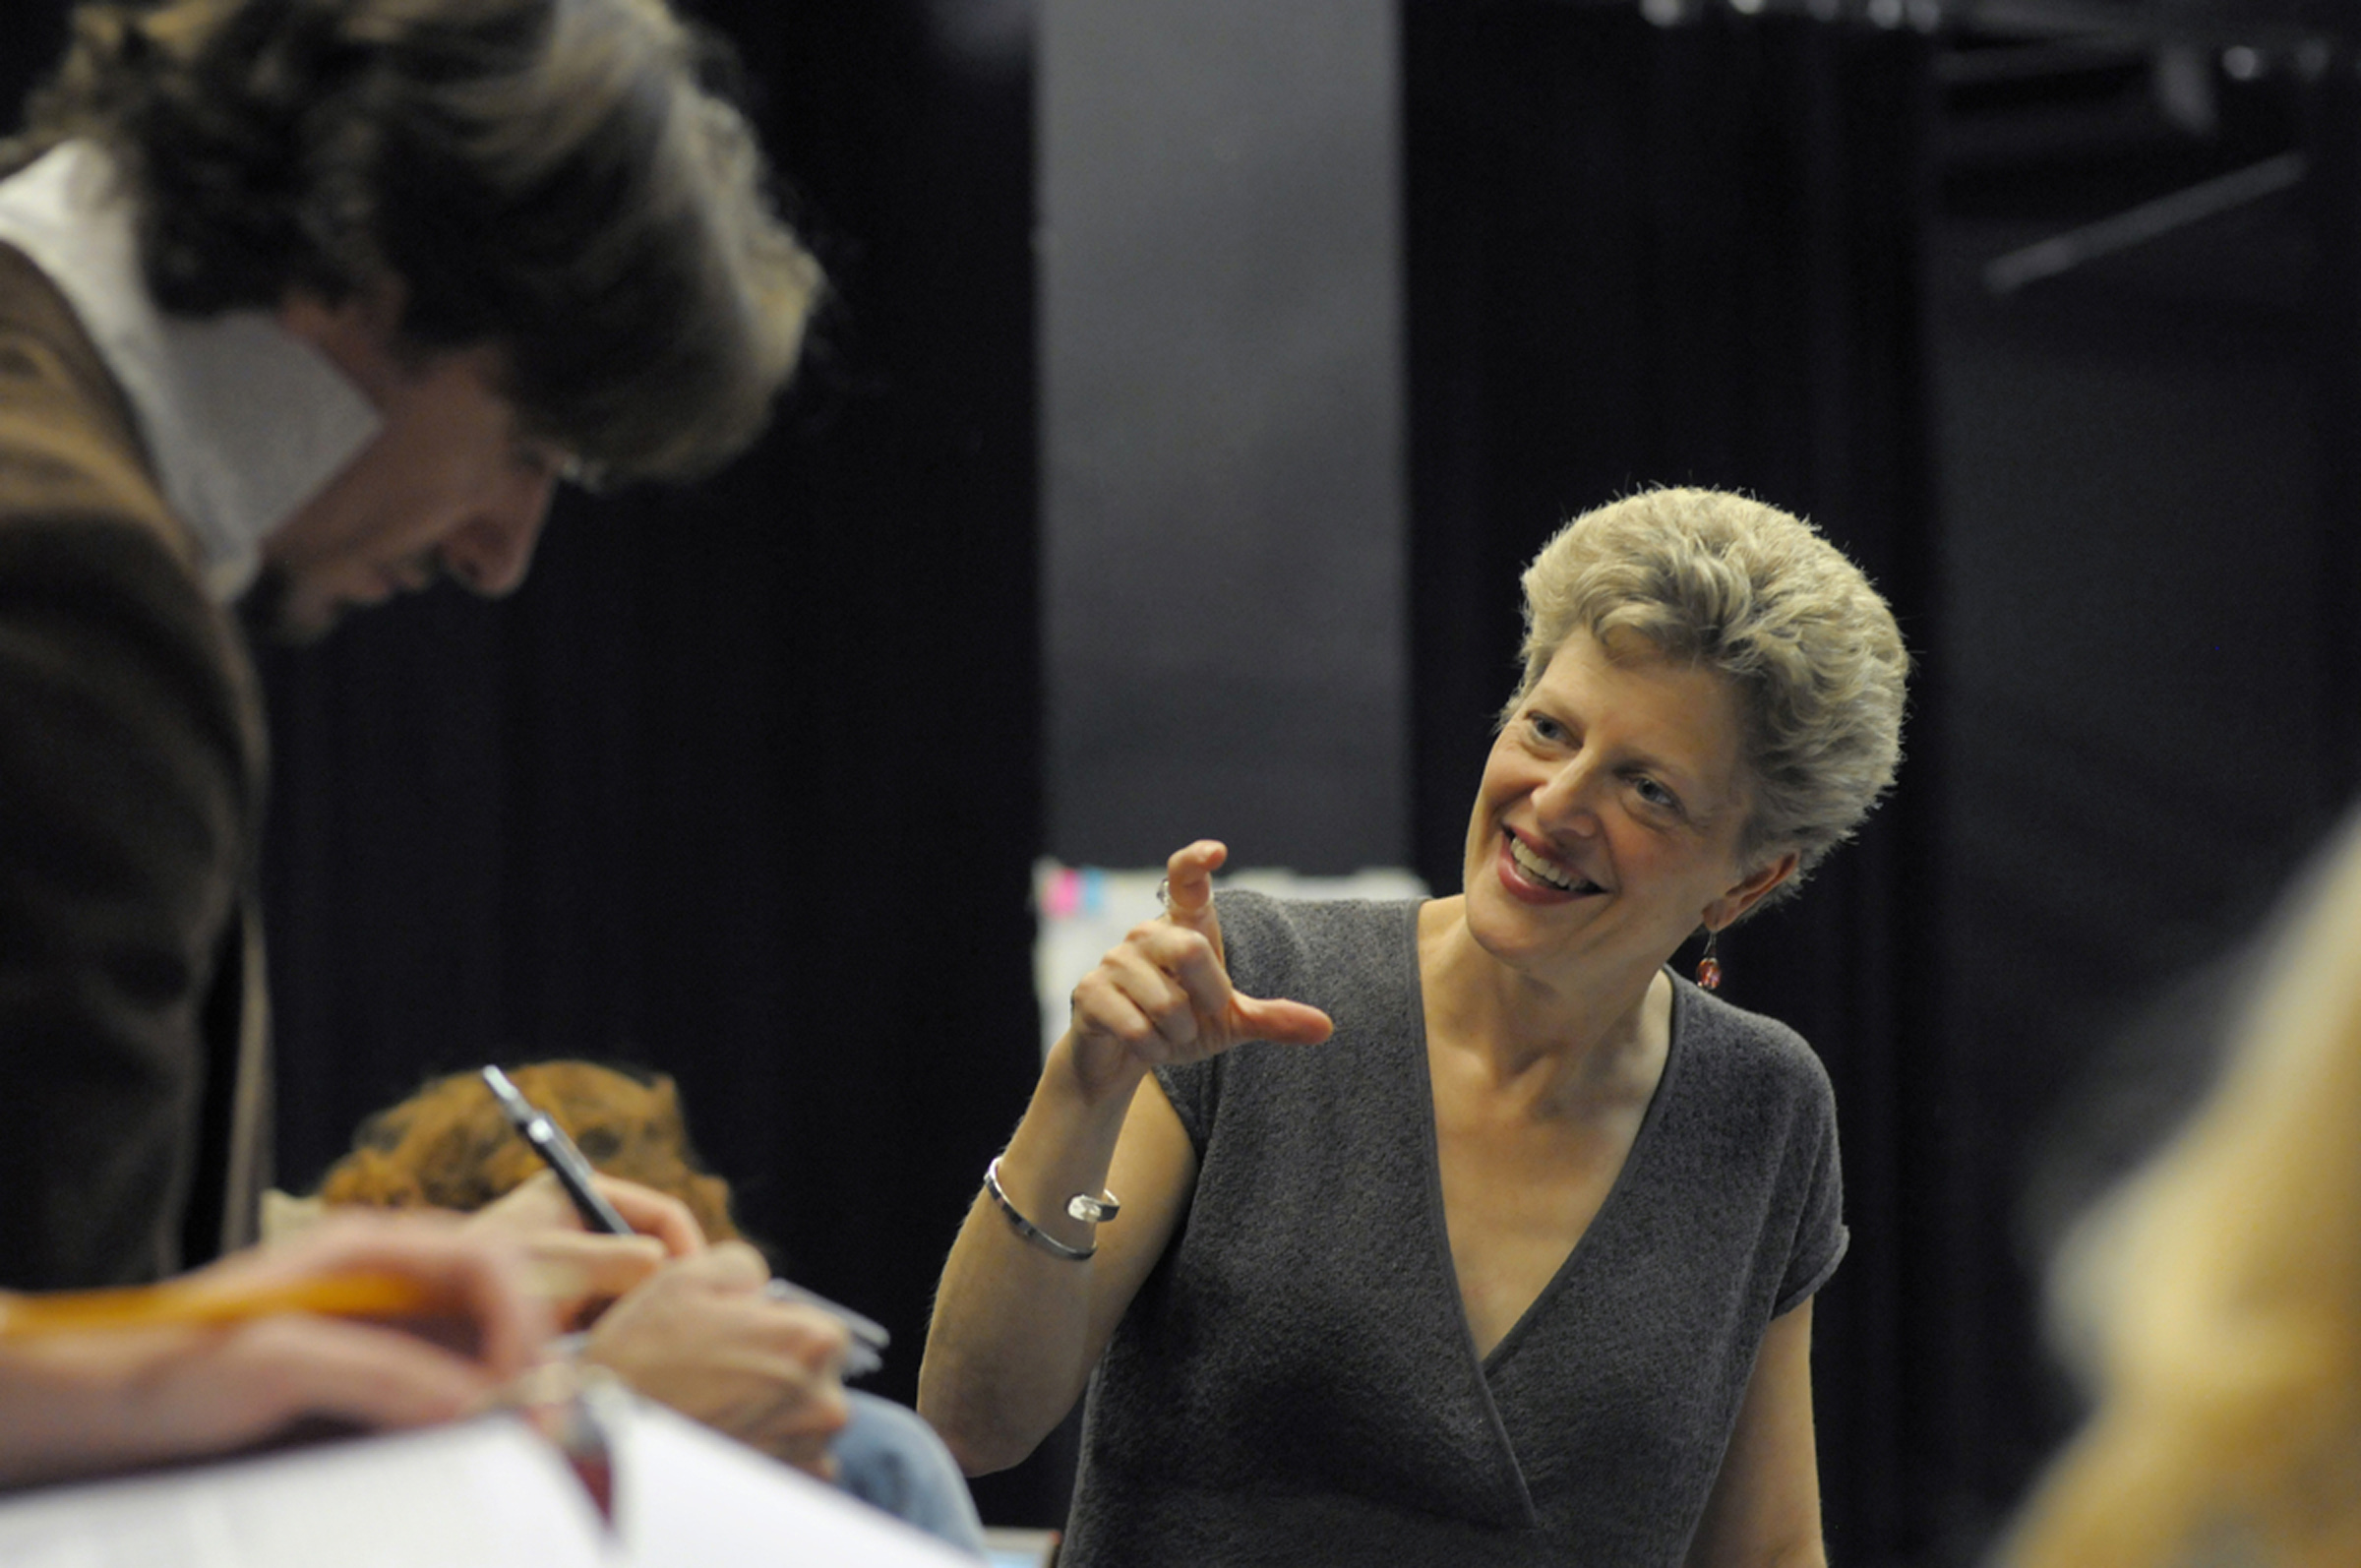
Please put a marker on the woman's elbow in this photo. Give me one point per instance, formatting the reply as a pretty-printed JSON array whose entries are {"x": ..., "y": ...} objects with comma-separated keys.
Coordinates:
[
  {"x": 984, "y": 1459},
  {"x": 980, "y": 1445}
]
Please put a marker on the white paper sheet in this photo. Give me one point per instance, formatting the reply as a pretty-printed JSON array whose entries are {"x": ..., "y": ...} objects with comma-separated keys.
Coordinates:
[
  {"x": 688, "y": 1497},
  {"x": 485, "y": 1494},
  {"x": 489, "y": 1494}
]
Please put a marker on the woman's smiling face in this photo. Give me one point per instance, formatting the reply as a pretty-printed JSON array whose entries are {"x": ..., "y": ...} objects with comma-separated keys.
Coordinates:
[{"x": 1608, "y": 825}]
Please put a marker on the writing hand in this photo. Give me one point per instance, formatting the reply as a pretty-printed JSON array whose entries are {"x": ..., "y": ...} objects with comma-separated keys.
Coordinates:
[
  {"x": 580, "y": 1268},
  {"x": 703, "y": 1337},
  {"x": 80, "y": 1402}
]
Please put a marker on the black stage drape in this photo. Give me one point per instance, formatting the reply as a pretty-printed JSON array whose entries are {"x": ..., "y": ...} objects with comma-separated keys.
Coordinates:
[{"x": 1689, "y": 254}]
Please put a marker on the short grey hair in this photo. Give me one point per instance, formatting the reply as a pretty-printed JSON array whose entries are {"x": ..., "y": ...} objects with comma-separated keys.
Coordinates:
[{"x": 1727, "y": 583}]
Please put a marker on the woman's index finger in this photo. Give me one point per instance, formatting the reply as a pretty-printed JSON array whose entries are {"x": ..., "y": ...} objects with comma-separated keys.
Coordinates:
[{"x": 1188, "y": 885}]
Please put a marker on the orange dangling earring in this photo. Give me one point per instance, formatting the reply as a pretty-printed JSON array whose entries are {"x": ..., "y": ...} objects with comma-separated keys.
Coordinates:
[{"x": 1709, "y": 968}]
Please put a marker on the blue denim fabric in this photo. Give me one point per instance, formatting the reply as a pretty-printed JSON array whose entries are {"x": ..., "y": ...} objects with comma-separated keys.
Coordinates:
[{"x": 889, "y": 1458}]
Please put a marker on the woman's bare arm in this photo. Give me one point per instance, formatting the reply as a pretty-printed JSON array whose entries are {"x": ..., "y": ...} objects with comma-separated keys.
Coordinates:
[
  {"x": 1764, "y": 1506},
  {"x": 1017, "y": 1328}
]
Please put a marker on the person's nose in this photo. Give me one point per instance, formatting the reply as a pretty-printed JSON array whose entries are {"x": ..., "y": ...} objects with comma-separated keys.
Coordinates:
[
  {"x": 493, "y": 551},
  {"x": 1567, "y": 801}
]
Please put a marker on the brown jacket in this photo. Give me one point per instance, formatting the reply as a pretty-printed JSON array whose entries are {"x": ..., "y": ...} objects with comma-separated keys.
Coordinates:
[{"x": 134, "y": 1068}]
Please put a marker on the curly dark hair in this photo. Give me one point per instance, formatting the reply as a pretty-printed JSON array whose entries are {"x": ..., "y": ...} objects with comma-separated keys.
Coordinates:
[
  {"x": 555, "y": 177},
  {"x": 448, "y": 1147}
]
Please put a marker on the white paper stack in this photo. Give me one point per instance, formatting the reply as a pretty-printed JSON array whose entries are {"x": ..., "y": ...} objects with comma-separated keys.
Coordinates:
[{"x": 488, "y": 1493}]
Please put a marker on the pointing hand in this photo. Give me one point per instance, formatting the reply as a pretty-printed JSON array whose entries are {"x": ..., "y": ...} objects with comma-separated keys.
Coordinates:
[{"x": 1164, "y": 995}]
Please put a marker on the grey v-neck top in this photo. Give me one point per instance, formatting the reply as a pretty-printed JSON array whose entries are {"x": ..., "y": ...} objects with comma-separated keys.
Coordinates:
[{"x": 1295, "y": 1381}]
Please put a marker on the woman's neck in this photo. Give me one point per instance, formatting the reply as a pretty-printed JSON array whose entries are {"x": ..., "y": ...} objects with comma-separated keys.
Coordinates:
[{"x": 1556, "y": 1038}]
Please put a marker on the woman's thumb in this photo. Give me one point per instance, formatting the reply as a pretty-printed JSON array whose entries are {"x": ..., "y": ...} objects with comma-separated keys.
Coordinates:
[{"x": 1285, "y": 1023}]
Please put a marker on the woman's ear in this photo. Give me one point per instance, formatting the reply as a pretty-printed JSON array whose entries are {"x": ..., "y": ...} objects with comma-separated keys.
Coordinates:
[{"x": 1750, "y": 891}]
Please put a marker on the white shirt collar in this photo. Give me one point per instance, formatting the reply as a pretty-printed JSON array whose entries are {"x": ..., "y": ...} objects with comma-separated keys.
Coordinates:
[{"x": 242, "y": 422}]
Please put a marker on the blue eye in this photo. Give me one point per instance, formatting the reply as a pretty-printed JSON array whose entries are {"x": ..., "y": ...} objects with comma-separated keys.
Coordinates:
[
  {"x": 1545, "y": 728},
  {"x": 1655, "y": 794}
]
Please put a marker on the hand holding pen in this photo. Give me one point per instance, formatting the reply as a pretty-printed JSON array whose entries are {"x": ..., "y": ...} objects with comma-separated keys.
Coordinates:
[
  {"x": 318, "y": 1327},
  {"x": 582, "y": 1188},
  {"x": 686, "y": 1324}
]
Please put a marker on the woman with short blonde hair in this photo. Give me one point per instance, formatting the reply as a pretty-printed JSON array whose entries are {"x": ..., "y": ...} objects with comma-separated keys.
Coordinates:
[
  {"x": 1494, "y": 1241},
  {"x": 1730, "y": 584}
]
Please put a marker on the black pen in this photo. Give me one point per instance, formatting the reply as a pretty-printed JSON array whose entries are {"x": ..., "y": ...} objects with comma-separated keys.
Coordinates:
[{"x": 572, "y": 1172}]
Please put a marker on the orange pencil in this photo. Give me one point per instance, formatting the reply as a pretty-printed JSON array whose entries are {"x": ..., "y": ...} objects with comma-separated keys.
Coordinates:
[{"x": 359, "y": 1294}]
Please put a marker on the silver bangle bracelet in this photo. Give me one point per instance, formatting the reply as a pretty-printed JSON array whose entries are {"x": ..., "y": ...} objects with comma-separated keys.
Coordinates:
[{"x": 1081, "y": 1206}]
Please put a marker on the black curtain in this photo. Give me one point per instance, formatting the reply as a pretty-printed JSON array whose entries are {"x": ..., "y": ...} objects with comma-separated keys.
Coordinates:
[
  {"x": 1648, "y": 254},
  {"x": 31, "y": 37},
  {"x": 743, "y": 784}
]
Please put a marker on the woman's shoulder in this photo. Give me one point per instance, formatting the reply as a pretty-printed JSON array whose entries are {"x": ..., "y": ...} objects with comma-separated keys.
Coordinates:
[
  {"x": 1313, "y": 919},
  {"x": 1297, "y": 939},
  {"x": 1724, "y": 1040},
  {"x": 1750, "y": 1096}
]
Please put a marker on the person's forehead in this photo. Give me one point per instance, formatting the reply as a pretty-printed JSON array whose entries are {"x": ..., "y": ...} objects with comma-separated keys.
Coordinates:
[{"x": 1688, "y": 714}]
